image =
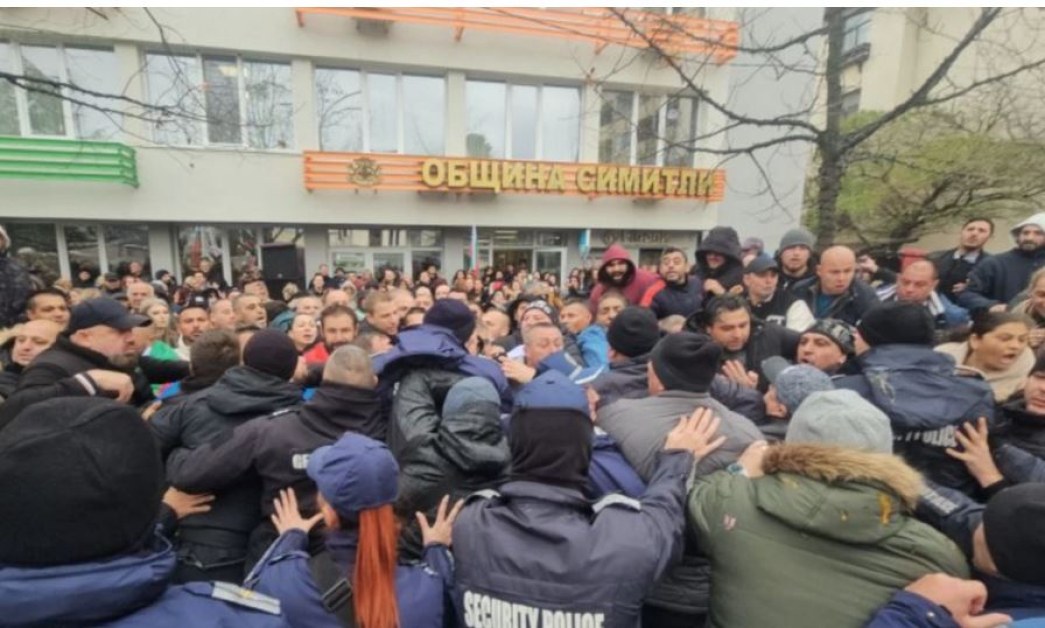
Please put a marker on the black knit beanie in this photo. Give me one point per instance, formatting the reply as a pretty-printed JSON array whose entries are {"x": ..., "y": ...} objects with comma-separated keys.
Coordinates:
[
  {"x": 1012, "y": 524},
  {"x": 634, "y": 332},
  {"x": 82, "y": 480},
  {"x": 686, "y": 361},
  {"x": 453, "y": 315},
  {"x": 897, "y": 322},
  {"x": 271, "y": 351}
]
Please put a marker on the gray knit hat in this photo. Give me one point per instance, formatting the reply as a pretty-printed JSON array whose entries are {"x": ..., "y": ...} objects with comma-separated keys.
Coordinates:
[
  {"x": 797, "y": 237},
  {"x": 840, "y": 417},
  {"x": 794, "y": 382}
]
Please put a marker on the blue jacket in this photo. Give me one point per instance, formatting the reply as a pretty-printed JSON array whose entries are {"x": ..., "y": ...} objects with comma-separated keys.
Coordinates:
[
  {"x": 926, "y": 402},
  {"x": 127, "y": 592},
  {"x": 958, "y": 516},
  {"x": 578, "y": 374},
  {"x": 610, "y": 472},
  {"x": 910, "y": 610},
  {"x": 595, "y": 348},
  {"x": 538, "y": 552},
  {"x": 429, "y": 345},
  {"x": 284, "y": 574}
]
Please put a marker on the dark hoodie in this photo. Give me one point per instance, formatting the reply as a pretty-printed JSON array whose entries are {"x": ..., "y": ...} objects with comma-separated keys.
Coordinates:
[
  {"x": 725, "y": 242},
  {"x": 636, "y": 280},
  {"x": 218, "y": 539}
]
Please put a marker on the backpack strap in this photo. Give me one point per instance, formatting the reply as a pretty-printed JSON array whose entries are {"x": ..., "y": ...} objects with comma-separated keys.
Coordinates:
[{"x": 334, "y": 588}]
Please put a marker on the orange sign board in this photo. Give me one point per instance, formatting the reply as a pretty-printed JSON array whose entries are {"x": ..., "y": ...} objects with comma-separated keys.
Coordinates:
[{"x": 371, "y": 171}]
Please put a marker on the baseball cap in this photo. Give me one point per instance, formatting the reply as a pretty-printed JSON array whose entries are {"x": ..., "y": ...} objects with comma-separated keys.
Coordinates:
[
  {"x": 111, "y": 277},
  {"x": 355, "y": 473},
  {"x": 104, "y": 311},
  {"x": 198, "y": 301},
  {"x": 761, "y": 264}
]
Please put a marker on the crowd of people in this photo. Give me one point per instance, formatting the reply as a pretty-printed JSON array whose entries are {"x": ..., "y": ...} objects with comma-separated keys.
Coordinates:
[{"x": 736, "y": 438}]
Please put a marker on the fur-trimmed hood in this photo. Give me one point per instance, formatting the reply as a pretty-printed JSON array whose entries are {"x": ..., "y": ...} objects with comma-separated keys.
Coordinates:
[{"x": 844, "y": 494}]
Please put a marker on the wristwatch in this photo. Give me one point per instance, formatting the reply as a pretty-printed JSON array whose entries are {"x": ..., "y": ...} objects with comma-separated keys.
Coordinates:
[{"x": 736, "y": 469}]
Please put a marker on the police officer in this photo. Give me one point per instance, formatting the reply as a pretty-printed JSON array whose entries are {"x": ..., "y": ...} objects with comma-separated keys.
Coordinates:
[
  {"x": 82, "y": 483},
  {"x": 356, "y": 581},
  {"x": 539, "y": 552}
]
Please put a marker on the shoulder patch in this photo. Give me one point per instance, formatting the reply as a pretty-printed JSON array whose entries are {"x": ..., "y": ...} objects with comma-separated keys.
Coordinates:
[
  {"x": 487, "y": 493},
  {"x": 281, "y": 412},
  {"x": 616, "y": 500},
  {"x": 238, "y": 596}
]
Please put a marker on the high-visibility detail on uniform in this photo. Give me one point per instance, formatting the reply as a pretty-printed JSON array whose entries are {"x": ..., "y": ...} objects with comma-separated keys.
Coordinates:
[{"x": 484, "y": 611}]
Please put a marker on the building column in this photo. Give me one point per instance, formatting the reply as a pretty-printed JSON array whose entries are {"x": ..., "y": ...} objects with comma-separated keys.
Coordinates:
[
  {"x": 162, "y": 255},
  {"x": 317, "y": 250}
]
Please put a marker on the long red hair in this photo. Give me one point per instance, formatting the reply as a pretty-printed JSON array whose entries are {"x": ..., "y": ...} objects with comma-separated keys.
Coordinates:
[{"x": 375, "y": 570}]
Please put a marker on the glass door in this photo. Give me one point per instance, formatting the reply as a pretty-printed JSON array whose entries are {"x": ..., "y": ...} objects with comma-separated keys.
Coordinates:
[{"x": 550, "y": 260}]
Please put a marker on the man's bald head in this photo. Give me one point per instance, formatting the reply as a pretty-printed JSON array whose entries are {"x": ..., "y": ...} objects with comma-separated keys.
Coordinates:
[
  {"x": 916, "y": 282},
  {"x": 836, "y": 270}
]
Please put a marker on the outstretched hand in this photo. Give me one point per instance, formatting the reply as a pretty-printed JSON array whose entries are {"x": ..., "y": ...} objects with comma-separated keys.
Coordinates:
[
  {"x": 288, "y": 517},
  {"x": 696, "y": 433},
  {"x": 976, "y": 452},
  {"x": 440, "y": 531},
  {"x": 184, "y": 504}
]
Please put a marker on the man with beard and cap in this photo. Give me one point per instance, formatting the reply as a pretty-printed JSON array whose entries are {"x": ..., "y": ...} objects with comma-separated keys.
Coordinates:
[
  {"x": 214, "y": 544},
  {"x": 677, "y": 292},
  {"x": 540, "y": 550},
  {"x": 829, "y": 345},
  {"x": 997, "y": 280},
  {"x": 719, "y": 265},
  {"x": 338, "y": 324},
  {"x": 83, "y": 482},
  {"x": 919, "y": 389},
  {"x": 619, "y": 273},
  {"x": 797, "y": 257},
  {"x": 80, "y": 363},
  {"x": 275, "y": 447},
  {"x": 193, "y": 320},
  {"x": 680, "y": 371}
]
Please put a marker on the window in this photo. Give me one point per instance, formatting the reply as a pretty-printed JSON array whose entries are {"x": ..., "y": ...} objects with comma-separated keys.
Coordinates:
[
  {"x": 35, "y": 244},
  {"x": 221, "y": 100},
  {"x": 81, "y": 241},
  {"x": 50, "y": 111},
  {"x": 647, "y": 130},
  {"x": 385, "y": 238},
  {"x": 381, "y": 113},
  {"x": 126, "y": 243},
  {"x": 857, "y": 31},
  {"x": 850, "y": 102},
  {"x": 523, "y": 121}
]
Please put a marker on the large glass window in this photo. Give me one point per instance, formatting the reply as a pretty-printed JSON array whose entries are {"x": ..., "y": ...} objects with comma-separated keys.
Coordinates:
[
  {"x": 384, "y": 238},
  {"x": 35, "y": 244},
  {"x": 224, "y": 99},
  {"x": 385, "y": 113},
  {"x": 196, "y": 242},
  {"x": 857, "y": 31},
  {"x": 523, "y": 121},
  {"x": 82, "y": 243},
  {"x": 49, "y": 110},
  {"x": 647, "y": 130},
  {"x": 126, "y": 243}
]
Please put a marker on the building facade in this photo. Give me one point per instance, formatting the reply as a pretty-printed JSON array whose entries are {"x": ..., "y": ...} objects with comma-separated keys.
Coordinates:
[{"x": 356, "y": 137}]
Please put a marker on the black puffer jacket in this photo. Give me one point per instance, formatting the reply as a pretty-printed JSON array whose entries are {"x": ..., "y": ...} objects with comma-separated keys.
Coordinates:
[
  {"x": 1020, "y": 428},
  {"x": 725, "y": 242},
  {"x": 451, "y": 443},
  {"x": 240, "y": 395}
]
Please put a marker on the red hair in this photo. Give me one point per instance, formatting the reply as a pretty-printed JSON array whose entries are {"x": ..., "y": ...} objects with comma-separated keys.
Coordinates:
[{"x": 375, "y": 571}]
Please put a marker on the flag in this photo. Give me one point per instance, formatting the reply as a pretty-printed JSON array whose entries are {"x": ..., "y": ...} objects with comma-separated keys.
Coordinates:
[{"x": 584, "y": 243}]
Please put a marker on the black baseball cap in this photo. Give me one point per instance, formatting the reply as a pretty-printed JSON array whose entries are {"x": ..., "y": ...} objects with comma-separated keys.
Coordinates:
[
  {"x": 104, "y": 311},
  {"x": 196, "y": 301},
  {"x": 761, "y": 264}
]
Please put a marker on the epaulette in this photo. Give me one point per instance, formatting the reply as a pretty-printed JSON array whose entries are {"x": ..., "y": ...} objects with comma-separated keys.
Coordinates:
[
  {"x": 616, "y": 500},
  {"x": 238, "y": 596}
]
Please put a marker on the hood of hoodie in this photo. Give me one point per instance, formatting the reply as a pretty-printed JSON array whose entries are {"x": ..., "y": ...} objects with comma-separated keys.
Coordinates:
[
  {"x": 243, "y": 391},
  {"x": 721, "y": 240},
  {"x": 471, "y": 435},
  {"x": 1037, "y": 220},
  {"x": 85, "y": 593},
  {"x": 338, "y": 408},
  {"x": 616, "y": 252},
  {"x": 837, "y": 493}
]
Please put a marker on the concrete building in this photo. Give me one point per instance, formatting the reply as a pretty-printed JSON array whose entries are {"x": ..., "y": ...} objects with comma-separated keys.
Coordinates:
[{"x": 356, "y": 137}]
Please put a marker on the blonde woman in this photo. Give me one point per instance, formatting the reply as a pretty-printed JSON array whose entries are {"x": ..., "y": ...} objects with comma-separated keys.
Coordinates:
[
  {"x": 164, "y": 337},
  {"x": 1034, "y": 307}
]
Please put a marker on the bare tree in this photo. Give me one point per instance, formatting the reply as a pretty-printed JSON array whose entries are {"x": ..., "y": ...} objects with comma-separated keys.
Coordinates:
[{"x": 819, "y": 120}]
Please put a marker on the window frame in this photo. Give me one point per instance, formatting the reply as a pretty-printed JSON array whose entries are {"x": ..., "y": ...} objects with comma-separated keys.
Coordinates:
[
  {"x": 17, "y": 65},
  {"x": 662, "y": 124},
  {"x": 539, "y": 149},
  {"x": 364, "y": 94},
  {"x": 241, "y": 91},
  {"x": 851, "y": 26}
]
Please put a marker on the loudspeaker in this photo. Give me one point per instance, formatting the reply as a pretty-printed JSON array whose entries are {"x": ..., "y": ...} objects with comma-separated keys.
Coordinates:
[{"x": 281, "y": 261}]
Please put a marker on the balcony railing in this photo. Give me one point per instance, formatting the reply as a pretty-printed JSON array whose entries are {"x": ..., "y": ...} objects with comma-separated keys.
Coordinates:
[
  {"x": 673, "y": 34},
  {"x": 67, "y": 160}
]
